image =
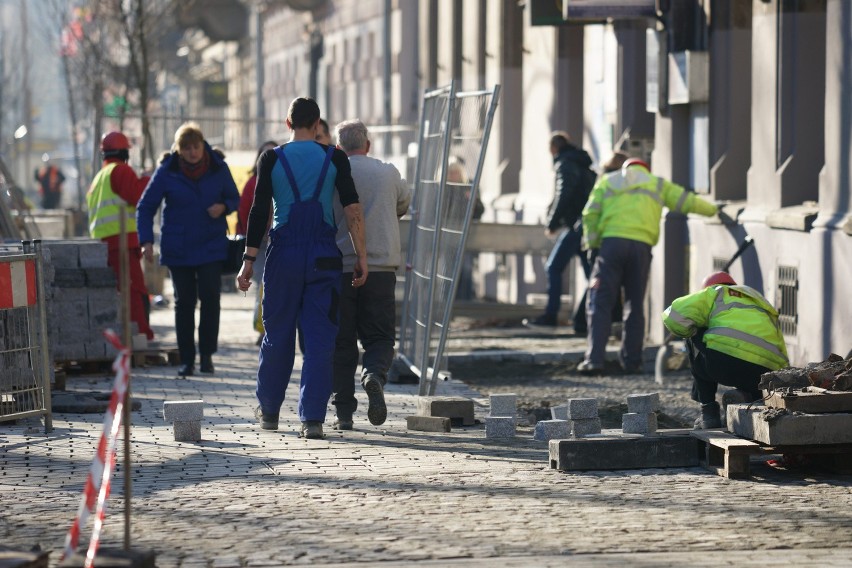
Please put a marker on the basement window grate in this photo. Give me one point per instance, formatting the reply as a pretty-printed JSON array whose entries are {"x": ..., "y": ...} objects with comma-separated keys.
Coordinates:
[
  {"x": 787, "y": 300},
  {"x": 719, "y": 263}
]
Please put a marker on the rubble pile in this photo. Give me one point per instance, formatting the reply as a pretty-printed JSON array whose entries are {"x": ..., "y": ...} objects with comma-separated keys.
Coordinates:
[{"x": 834, "y": 374}]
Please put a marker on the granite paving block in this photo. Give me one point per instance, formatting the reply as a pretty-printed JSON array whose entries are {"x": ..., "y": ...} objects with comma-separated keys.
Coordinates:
[
  {"x": 69, "y": 278},
  {"x": 585, "y": 427},
  {"x": 499, "y": 427},
  {"x": 183, "y": 410},
  {"x": 428, "y": 423},
  {"x": 559, "y": 412},
  {"x": 188, "y": 431},
  {"x": 643, "y": 403},
  {"x": 63, "y": 254},
  {"x": 546, "y": 430},
  {"x": 92, "y": 254},
  {"x": 100, "y": 277},
  {"x": 457, "y": 409},
  {"x": 581, "y": 408},
  {"x": 64, "y": 295},
  {"x": 780, "y": 427},
  {"x": 673, "y": 448},
  {"x": 639, "y": 423},
  {"x": 503, "y": 404}
]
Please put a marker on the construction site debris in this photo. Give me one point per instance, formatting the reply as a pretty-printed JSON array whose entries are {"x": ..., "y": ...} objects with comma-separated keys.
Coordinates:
[{"x": 834, "y": 374}]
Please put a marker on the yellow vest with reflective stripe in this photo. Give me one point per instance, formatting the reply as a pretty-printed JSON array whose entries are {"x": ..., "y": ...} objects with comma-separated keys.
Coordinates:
[
  {"x": 629, "y": 203},
  {"x": 739, "y": 322},
  {"x": 105, "y": 206}
]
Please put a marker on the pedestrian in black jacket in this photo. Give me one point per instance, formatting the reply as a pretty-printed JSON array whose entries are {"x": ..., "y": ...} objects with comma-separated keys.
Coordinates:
[{"x": 574, "y": 182}]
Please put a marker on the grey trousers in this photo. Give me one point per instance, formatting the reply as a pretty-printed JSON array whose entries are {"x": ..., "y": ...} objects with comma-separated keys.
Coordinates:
[{"x": 621, "y": 264}]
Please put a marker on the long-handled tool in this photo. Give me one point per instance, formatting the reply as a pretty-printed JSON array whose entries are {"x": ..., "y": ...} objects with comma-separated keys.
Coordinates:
[{"x": 665, "y": 350}]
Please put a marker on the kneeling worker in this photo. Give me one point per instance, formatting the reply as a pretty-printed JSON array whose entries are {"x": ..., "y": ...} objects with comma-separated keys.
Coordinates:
[{"x": 733, "y": 337}]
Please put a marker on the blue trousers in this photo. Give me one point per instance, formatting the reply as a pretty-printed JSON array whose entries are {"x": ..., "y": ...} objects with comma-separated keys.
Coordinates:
[
  {"x": 566, "y": 246},
  {"x": 301, "y": 284}
]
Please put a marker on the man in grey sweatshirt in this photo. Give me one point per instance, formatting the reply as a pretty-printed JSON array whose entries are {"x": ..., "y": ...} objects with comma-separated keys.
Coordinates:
[{"x": 368, "y": 313}]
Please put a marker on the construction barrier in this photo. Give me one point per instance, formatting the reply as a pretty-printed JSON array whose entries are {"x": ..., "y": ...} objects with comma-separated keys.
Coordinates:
[
  {"x": 24, "y": 362},
  {"x": 454, "y": 132},
  {"x": 97, "y": 487}
]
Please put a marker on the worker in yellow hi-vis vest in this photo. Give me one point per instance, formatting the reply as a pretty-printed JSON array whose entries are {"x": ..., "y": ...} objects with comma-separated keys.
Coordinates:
[
  {"x": 116, "y": 190},
  {"x": 733, "y": 337}
]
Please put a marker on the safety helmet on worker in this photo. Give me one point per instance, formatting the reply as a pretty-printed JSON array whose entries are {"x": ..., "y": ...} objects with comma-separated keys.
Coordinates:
[
  {"x": 718, "y": 278},
  {"x": 636, "y": 162},
  {"x": 115, "y": 145}
]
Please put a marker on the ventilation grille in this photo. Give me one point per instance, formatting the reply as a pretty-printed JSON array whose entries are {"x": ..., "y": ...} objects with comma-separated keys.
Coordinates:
[
  {"x": 787, "y": 300},
  {"x": 719, "y": 263}
]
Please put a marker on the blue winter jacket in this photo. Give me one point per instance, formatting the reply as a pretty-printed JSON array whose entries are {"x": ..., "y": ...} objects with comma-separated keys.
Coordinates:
[{"x": 189, "y": 236}]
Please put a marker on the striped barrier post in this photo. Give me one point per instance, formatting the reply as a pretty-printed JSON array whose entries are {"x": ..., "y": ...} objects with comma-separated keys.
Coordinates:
[
  {"x": 17, "y": 284},
  {"x": 97, "y": 487}
]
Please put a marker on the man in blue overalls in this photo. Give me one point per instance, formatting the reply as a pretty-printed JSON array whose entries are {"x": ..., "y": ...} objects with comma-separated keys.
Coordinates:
[{"x": 301, "y": 281}]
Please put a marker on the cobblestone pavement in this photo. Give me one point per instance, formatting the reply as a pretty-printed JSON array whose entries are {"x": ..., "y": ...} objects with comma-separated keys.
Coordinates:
[{"x": 388, "y": 496}]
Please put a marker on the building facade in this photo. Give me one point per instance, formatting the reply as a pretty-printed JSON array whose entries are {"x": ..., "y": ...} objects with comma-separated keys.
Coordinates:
[{"x": 743, "y": 101}]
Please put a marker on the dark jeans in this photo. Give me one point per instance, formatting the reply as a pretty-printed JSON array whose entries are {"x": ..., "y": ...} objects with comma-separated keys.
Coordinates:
[
  {"x": 711, "y": 368},
  {"x": 566, "y": 246},
  {"x": 191, "y": 284},
  {"x": 367, "y": 313}
]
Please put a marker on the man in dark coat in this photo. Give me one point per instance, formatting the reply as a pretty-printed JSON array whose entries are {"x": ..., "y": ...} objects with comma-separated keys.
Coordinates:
[{"x": 574, "y": 181}]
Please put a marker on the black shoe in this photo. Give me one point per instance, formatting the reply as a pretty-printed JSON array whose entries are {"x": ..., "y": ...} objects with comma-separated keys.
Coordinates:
[
  {"x": 207, "y": 364},
  {"x": 186, "y": 371},
  {"x": 377, "y": 411},
  {"x": 709, "y": 418},
  {"x": 345, "y": 423}
]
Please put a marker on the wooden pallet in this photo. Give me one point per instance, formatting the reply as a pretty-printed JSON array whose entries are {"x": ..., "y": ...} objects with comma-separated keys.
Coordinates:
[{"x": 730, "y": 456}]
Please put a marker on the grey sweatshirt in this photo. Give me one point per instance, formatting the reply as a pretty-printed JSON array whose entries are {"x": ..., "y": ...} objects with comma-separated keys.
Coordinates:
[{"x": 384, "y": 196}]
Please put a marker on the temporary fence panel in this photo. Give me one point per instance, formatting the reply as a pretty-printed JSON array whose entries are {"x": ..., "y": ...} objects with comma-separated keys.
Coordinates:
[
  {"x": 24, "y": 363},
  {"x": 454, "y": 131}
]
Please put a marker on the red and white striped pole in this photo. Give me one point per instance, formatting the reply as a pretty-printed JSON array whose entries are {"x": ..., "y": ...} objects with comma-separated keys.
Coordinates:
[{"x": 97, "y": 486}]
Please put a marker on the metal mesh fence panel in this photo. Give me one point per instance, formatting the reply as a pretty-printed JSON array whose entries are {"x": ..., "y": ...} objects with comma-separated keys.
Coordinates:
[
  {"x": 24, "y": 372},
  {"x": 454, "y": 130}
]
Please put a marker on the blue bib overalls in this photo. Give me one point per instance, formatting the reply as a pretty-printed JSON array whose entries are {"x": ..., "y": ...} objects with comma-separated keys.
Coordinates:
[{"x": 301, "y": 283}]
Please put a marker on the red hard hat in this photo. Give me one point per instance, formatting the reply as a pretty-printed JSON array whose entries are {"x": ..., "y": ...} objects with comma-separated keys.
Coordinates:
[
  {"x": 114, "y": 141},
  {"x": 718, "y": 278},
  {"x": 636, "y": 162}
]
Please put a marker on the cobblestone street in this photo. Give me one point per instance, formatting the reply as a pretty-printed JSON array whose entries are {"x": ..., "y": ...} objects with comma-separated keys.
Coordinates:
[{"x": 246, "y": 497}]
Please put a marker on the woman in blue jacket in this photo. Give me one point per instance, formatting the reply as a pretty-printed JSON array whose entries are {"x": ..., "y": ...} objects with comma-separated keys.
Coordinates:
[{"x": 199, "y": 192}]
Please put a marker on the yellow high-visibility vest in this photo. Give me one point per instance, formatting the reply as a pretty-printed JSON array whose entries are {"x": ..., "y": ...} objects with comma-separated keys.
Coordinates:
[
  {"x": 105, "y": 206},
  {"x": 739, "y": 322},
  {"x": 629, "y": 203}
]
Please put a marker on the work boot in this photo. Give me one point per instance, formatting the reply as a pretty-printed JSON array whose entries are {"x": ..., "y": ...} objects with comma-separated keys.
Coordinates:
[
  {"x": 311, "y": 430},
  {"x": 377, "y": 410},
  {"x": 207, "y": 364},
  {"x": 266, "y": 421},
  {"x": 709, "y": 417},
  {"x": 343, "y": 423},
  {"x": 544, "y": 321},
  {"x": 586, "y": 367},
  {"x": 186, "y": 370}
]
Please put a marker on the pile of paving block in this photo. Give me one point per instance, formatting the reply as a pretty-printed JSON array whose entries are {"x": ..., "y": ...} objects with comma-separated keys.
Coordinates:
[{"x": 81, "y": 299}]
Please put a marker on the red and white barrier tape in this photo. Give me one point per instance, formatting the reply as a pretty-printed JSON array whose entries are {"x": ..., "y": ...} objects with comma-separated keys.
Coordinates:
[{"x": 97, "y": 487}]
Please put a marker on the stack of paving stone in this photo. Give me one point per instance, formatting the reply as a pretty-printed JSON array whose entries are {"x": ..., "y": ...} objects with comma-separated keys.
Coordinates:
[
  {"x": 581, "y": 416},
  {"x": 81, "y": 297},
  {"x": 186, "y": 417},
  {"x": 500, "y": 423},
  {"x": 641, "y": 417}
]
